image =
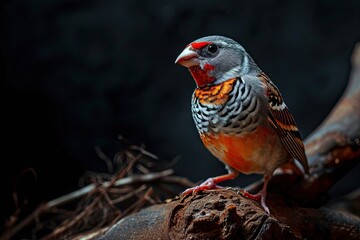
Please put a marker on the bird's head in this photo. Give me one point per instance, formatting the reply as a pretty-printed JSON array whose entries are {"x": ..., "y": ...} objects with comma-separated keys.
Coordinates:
[{"x": 215, "y": 59}]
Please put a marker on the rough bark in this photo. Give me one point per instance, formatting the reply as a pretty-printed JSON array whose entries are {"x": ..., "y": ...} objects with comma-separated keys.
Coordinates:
[{"x": 333, "y": 150}]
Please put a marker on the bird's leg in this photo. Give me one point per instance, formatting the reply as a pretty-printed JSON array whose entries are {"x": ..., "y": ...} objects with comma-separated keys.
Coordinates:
[
  {"x": 211, "y": 183},
  {"x": 260, "y": 195}
]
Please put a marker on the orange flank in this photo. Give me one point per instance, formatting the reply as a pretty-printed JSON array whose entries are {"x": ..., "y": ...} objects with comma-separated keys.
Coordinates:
[
  {"x": 215, "y": 94},
  {"x": 241, "y": 152}
]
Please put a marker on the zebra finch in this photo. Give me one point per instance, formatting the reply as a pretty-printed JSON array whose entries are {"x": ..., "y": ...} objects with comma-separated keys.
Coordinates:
[{"x": 240, "y": 114}]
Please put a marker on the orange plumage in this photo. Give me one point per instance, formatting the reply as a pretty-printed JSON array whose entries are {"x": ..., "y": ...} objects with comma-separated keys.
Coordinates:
[{"x": 240, "y": 152}]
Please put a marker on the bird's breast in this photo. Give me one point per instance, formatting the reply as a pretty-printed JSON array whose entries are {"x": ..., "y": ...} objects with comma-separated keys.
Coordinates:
[
  {"x": 248, "y": 153},
  {"x": 230, "y": 108},
  {"x": 233, "y": 126}
]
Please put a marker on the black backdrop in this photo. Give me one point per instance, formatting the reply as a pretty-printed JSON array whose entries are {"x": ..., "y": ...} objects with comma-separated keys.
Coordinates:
[{"x": 78, "y": 73}]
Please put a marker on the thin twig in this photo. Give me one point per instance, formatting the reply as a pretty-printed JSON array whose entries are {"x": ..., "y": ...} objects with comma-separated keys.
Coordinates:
[
  {"x": 130, "y": 194},
  {"x": 105, "y": 158},
  {"x": 143, "y": 151},
  {"x": 121, "y": 182}
]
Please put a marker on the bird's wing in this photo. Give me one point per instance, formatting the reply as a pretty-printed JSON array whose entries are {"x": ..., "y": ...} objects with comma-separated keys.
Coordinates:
[{"x": 284, "y": 123}]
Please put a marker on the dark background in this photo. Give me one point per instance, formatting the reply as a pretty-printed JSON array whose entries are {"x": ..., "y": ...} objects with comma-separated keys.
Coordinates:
[{"x": 77, "y": 73}]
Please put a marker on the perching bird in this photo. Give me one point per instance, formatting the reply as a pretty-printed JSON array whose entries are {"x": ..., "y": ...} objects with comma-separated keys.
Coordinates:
[{"x": 239, "y": 113}]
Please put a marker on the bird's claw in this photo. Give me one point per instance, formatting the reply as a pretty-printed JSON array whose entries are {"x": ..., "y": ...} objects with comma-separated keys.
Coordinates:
[
  {"x": 207, "y": 185},
  {"x": 255, "y": 197},
  {"x": 260, "y": 196}
]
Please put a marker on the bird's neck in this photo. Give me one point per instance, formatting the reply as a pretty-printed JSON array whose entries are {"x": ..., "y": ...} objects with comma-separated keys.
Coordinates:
[{"x": 201, "y": 76}]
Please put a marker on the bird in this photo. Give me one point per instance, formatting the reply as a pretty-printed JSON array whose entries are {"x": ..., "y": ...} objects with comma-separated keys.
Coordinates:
[{"x": 240, "y": 115}]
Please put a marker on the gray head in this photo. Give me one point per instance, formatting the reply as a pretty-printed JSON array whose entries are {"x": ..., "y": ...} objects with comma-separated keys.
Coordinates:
[{"x": 215, "y": 59}]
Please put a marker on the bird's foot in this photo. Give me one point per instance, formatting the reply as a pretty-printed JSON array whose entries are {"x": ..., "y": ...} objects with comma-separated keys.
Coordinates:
[
  {"x": 255, "y": 197},
  {"x": 260, "y": 196},
  {"x": 207, "y": 185}
]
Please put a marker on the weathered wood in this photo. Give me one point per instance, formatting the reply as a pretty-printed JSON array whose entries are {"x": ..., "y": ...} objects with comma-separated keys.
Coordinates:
[{"x": 225, "y": 214}]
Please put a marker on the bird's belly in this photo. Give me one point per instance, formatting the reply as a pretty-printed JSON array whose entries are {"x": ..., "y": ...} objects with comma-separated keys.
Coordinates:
[{"x": 254, "y": 152}]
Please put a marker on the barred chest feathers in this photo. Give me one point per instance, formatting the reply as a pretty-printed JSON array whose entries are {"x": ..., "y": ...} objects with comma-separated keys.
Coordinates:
[{"x": 231, "y": 108}]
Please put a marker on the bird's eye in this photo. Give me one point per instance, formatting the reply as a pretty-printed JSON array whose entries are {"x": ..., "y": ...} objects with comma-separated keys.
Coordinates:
[{"x": 212, "y": 48}]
